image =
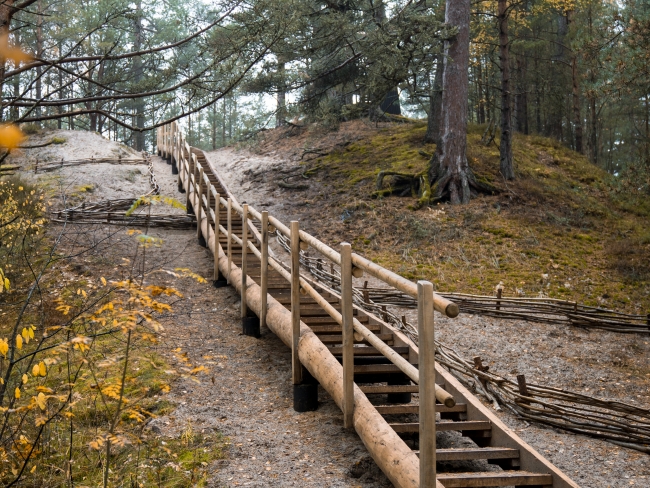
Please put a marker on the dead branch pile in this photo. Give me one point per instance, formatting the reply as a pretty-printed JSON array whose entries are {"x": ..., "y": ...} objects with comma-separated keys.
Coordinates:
[{"x": 617, "y": 422}]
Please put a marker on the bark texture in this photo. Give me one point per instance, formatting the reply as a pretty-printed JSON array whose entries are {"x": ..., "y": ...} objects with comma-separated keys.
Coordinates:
[
  {"x": 435, "y": 105},
  {"x": 449, "y": 172},
  {"x": 506, "y": 164}
]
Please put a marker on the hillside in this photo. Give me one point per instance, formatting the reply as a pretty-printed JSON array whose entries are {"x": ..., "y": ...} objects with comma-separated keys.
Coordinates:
[{"x": 563, "y": 229}]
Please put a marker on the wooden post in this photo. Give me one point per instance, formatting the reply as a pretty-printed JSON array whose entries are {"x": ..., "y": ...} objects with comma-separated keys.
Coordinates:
[
  {"x": 229, "y": 217},
  {"x": 264, "y": 266},
  {"x": 499, "y": 293},
  {"x": 523, "y": 389},
  {"x": 218, "y": 282},
  {"x": 188, "y": 186},
  {"x": 199, "y": 211},
  {"x": 199, "y": 207},
  {"x": 244, "y": 266},
  {"x": 296, "y": 367},
  {"x": 366, "y": 294},
  {"x": 348, "y": 335},
  {"x": 427, "y": 387}
]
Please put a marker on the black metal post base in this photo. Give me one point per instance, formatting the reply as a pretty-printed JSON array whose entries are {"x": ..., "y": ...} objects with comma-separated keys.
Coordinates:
[
  {"x": 201, "y": 240},
  {"x": 305, "y": 397},
  {"x": 220, "y": 282},
  {"x": 399, "y": 379},
  {"x": 169, "y": 160},
  {"x": 190, "y": 208},
  {"x": 251, "y": 326},
  {"x": 174, "y": 168},
  {"x": 180, "y": 188}
]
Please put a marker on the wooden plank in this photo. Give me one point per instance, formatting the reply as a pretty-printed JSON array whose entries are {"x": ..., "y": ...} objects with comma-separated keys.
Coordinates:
[
  {"x": 328, "y": 329},
  {"x": 264, "y": 267},
  {"x": 495, "y": 478},
  {"x": 413, "y": 427},
  {"x": 383, "y": 389},
  {"x": 367, "y": 351},
  {"x": 376, "y": 368},
  {"x": 471, "y": 454},
  {"x": 244, "y": 284},
  {"x": 414, "y": 408},
  {"x": 338, "y": 339}
]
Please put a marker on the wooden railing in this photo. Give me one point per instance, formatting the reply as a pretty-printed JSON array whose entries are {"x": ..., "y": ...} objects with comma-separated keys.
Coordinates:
[{"x": 207, "y": 203}]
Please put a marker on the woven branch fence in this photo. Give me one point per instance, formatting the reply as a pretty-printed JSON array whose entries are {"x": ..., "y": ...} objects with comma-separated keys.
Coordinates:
[
  {"x": 617, "y": 422},
  {"x": 113, "y": 212},
  {"x": 52, "y": 166}
]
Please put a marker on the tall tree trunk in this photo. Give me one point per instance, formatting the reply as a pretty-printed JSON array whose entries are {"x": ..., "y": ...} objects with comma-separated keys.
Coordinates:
[
  {"x": 577, "y": 118},
  {"x": 281, "y": 112},
  {"x": 522, "y": 96},
  {"x": 449, "y": 171},
  {"x": 15, "y": 111},
  {"x": 435, "y": 105},
  {"x": 138, "y": 71},
  {"x": 223, "y": 124},
  {"x": 214, "y": 125},
  {"x": 506, "y": 164},
  {"x": 481, "y": 98},
  {"x": 39, "y": 54}
]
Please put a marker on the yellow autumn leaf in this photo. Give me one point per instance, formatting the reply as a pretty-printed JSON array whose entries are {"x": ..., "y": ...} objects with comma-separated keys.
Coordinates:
[
  {"x": 33, "y": 469},
  {"x": 42, "y": 369},
  {"x": 4, "y": 347},
  {"x": 25, "y": 334},
  {"x": 25, "y": 379},
  {"x": 40, "y": 401},
  {"x": 10, "y": 136},
  {"x": 13, "y": 53},
  {"x": 35, "y": 370},
  {"x": 103, "y": 281},
  {"x": 31, "y": 332},
  {"x": 17, "y": 393},
  {"x": 19, "y": 342}
]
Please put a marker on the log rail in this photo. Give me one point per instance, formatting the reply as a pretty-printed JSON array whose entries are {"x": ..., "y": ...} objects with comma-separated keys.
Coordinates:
[{"x": 352, "y": 354}]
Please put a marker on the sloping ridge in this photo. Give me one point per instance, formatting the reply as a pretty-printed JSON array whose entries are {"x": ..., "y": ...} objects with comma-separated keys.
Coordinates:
[{"x": 384, "y": 422}]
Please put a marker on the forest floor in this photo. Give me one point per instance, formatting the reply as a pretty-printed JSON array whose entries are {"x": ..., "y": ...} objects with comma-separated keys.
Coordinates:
[{"x": 243, "y": 399}]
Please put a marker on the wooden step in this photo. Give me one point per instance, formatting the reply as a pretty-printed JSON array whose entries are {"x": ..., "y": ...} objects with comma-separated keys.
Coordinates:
[
  {"x": 329, "y": 329},
  {"x": 367, "y": 351},
  {"x": 376, "y": 368},
  {"x": 384, "y": 389},
  {"x": 415, "y": 408},
  {"x": 495, "y": 478},
  {"x": 474, "y": 453},
  {"x": 338, "y": 339},
  {"x": 413, "y": 427},
  {"x": 325, "y": 319}
]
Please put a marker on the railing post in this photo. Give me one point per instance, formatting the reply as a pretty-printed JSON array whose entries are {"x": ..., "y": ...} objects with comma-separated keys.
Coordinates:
[
  {"x": 427, "y": 387},
  {"x": 181, "y": 160},
  {"x": 188, "y": 186},
  {"x": 199, "y": 207},
  {"x": 348, "y": 335},
  {"x": 219, "y": 281},
  {"x": 305, "y": 386},
  {"x": 296, "y": 367},
  {"x": 229, "y": 224},
  {"x": 250, "y": 323},
  {"x": 264, "y": 266}
]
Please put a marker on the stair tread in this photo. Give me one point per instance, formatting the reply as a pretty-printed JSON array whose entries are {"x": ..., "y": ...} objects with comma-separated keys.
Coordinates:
[
  {"x": 415, "y": 408},
  {"x": 444, "y": 426},
  {"x": 474, "y": 453},
  {"x": 494, "y": 478}
]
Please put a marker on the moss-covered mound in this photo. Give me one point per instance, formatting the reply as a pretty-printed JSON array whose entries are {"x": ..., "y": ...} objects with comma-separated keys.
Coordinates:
[{"x": 564, "y": 228}]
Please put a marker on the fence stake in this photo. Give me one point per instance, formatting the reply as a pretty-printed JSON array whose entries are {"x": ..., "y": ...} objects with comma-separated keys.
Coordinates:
[
  {"x": 427, "y": 387},
  {"x": 523, "y": 389},
  {"x": 188, "y": 184},
  {"x": 264, "y": 265},
  {"x": 296, "y": 367},
  {"x": 348, "y": 335},
  {"x": 499, "y": 294},
  {"x": 229, "y": 213}
]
